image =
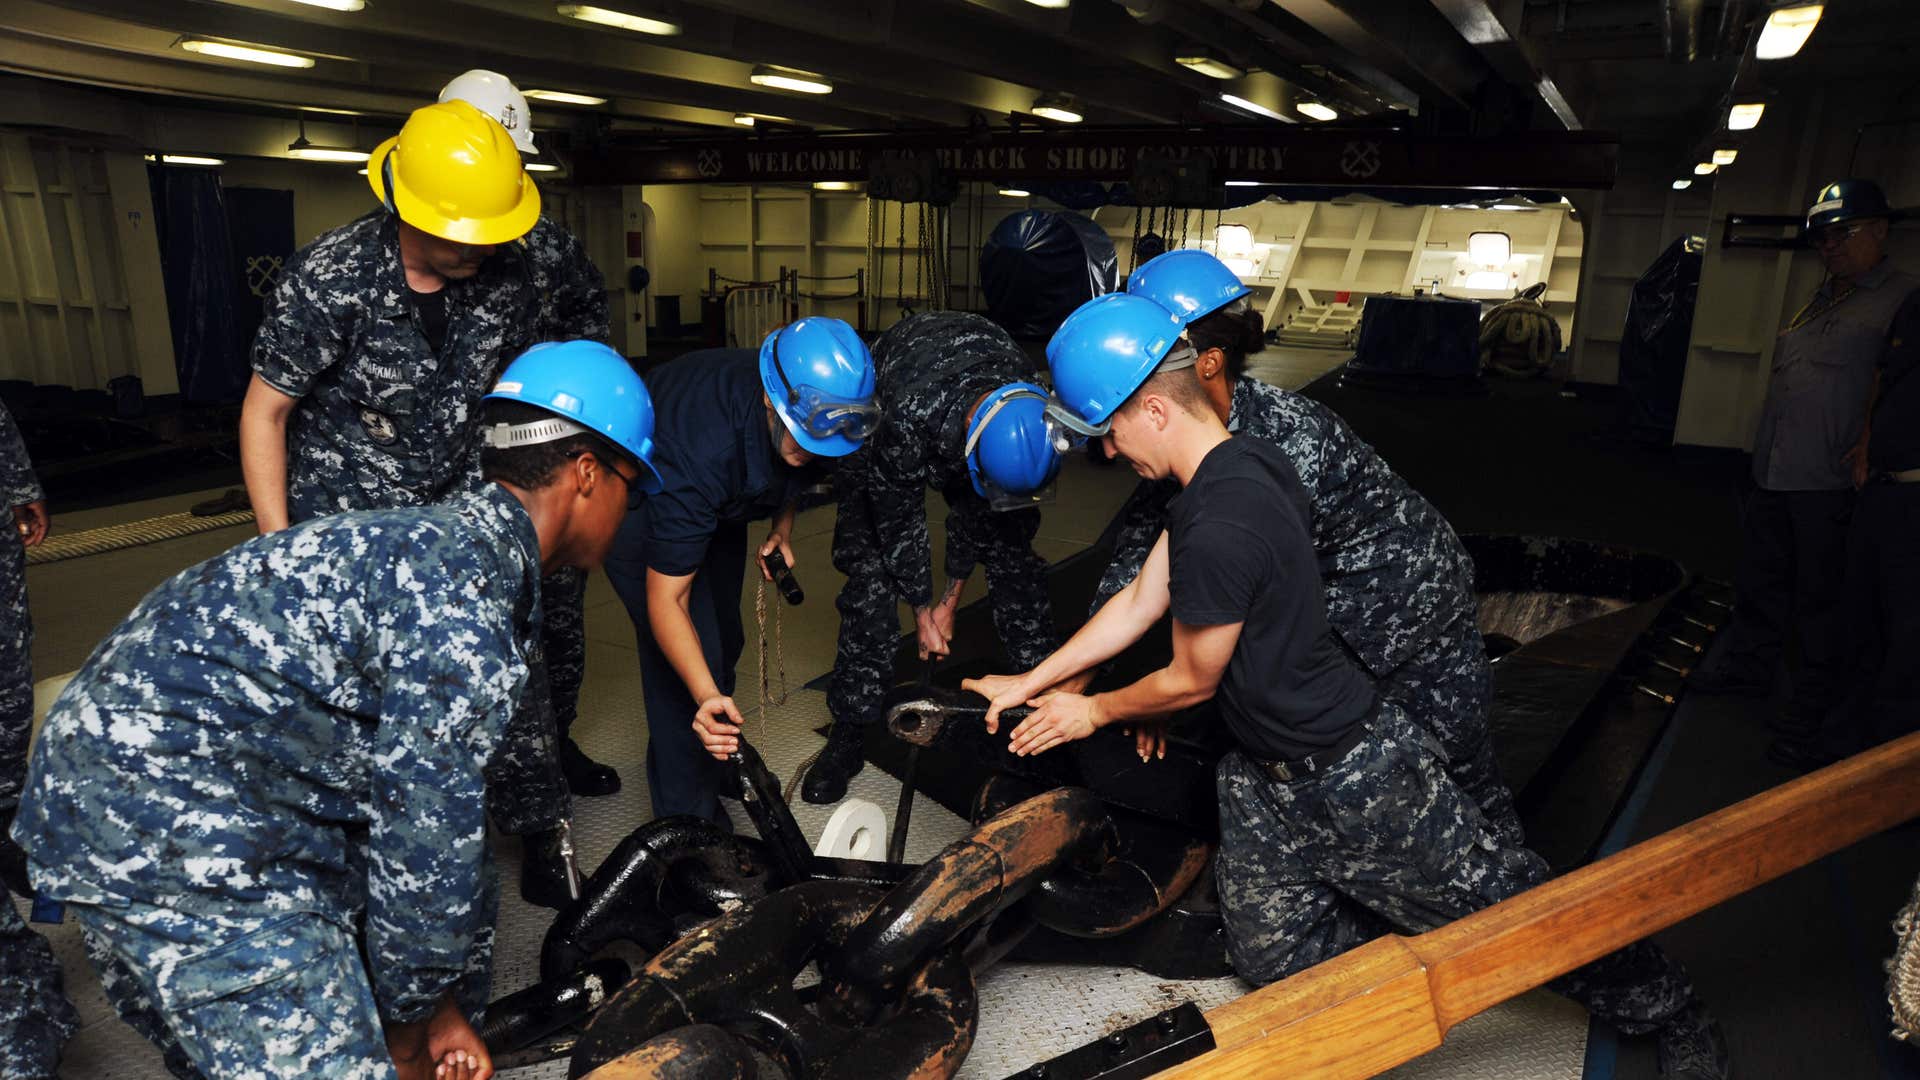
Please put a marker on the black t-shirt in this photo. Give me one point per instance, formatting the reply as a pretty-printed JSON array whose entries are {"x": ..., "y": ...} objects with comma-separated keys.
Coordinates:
[
  {"x": 432, "y": 308},
  {"x": 1241, "y": 552},
  {"x": 1894, "y": 445}
]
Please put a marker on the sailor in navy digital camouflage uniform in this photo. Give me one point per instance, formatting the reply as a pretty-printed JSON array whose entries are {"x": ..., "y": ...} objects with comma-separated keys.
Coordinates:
[
  {"x": 283, "y": 748},
  {"x": 1338, "y": 819},
  {"x": 35, "y": 1017},
  {"x": 369, "y": 366},
  {"x": 937, "y": 372},
  {"x": 736, "y": 445},
  {"x": 1399, "y": 586}
]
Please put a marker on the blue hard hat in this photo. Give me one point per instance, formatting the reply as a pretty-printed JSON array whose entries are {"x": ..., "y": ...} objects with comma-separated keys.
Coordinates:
[
  {"x": 1188, "y": 282},
  {"x": 1103, "y": 352},
  {"x": 1847, "y": 200},
  {"x": 585, "y": 382},
  {"x": 1010, "y": 447},
  {"x": 819, "y": 376}
]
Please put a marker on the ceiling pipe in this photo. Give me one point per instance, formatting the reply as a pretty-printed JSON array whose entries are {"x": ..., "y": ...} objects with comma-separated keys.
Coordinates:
[
  {"x": 1680, "y": 28},
  {"x": 1732, "y": 38}
]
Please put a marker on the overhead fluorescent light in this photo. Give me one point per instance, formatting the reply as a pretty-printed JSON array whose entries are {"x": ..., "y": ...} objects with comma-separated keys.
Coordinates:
[
  {"x": 335, "y": 5},
  {"x": 361, "y": 171},
  {"x": 1682, "y": 185},
  {"x": 188, "y": 159},
  {"x": 252, "y": 54},
  {"x": 786, "y": 78},
  {"x": 307, "y": 150},
  {"x": 331, "y": 112},
  {"x": 564, "y": 97},
  {"x": 1705, "y": 168},
  {"x": 1015, "y": 193},
  {"x": 743, "y": 119},
  {"x": 1054, "y": 4},
  {"x": 622, "y": 20},
  {"x": 1511, "y": 206},
  {"x": 1207, "y": 64},
  {"x": 749, "y": 119},
  {"x": 541, "y": 166},
  {"x": 1313, "y": 110},
  {"x": 833, "y": 185},
  {"x": 326, "y": 153},
  {"x": 1787, "y": 29},
  {"x": 1725, "y": 157},
  {"x": 1061, "y": 107},
  {"x": 1244, "y": 183},
  {"x": 1745, "y": 117},
  {"x": 1257, "y": 110}
]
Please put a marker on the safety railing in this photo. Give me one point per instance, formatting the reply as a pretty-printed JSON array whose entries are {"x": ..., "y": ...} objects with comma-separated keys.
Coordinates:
[
  {"x": 1396, "y": 998},
  {"x": 754, "y": 309}
]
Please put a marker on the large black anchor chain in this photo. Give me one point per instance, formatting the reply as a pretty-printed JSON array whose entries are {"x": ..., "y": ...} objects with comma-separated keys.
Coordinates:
[
  {"x": 665, "y": 874},
  {"x": 967, "y": 884},
  {"x": 519, "y": 1021},
  {"x": 1137, "y": 870},
  {"x": 737, "y": 973},
  {"x": 1178, "y": 788}
]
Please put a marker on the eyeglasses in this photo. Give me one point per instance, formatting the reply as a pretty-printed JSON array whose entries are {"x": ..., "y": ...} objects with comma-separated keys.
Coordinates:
[
  {"x": 635, "y": 496},
  {"x": 1835, "y": 235}
]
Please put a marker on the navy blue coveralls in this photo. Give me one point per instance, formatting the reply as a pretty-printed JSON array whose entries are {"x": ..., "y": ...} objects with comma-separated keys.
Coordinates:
[{"x": 719, "y": 469}]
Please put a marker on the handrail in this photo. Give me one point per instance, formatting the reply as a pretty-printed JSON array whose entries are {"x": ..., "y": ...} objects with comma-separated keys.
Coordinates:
[{"x": 1395, "y": 998}]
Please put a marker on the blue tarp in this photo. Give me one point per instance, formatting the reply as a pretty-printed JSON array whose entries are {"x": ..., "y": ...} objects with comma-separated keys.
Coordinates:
[{"x": 1041, "y": 264}]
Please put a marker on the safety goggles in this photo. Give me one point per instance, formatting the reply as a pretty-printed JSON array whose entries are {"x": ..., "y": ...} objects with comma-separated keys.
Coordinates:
[
  {"x": 1073, "y": 431},
  {"x": 821, "y": 414},
  {"x": 1000, "y": 500}
]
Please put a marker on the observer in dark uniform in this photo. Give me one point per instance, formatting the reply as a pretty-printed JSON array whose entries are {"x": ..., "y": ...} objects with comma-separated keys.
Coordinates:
[
  {"x": 737, "y": 429},
  {"x": 1793, "y": 554},
  {"x": 1399, "y": 585},
  {"x": 36, "y": 1019},
  {"x": 371, "y": 360},
  {"x": 955, "y": 418},
  {"x": 1338, "y": 820},
  {"x": 286, "y": 743},
  {"x": 1882, "y": 611}
]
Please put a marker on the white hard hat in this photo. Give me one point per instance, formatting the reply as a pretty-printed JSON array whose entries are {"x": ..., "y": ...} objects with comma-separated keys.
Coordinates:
[{"x": 497, "y": 98}]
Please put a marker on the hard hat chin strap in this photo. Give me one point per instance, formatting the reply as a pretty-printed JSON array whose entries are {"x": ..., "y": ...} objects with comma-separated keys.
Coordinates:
[{"x": 509, "y": 436}]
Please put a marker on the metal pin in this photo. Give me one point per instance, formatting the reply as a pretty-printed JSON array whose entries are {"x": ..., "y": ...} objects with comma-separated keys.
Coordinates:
[{"x": 566, "y": 857}]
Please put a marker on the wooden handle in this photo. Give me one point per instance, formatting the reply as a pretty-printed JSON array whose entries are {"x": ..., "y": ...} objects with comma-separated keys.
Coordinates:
[{"x": 1395, "y": 998}]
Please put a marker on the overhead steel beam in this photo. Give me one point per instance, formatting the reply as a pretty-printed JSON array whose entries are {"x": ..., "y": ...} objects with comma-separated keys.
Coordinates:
[
  {"x": 1408, "y": 41},
  {"x": 1020, "y": 54},
  {"x": 1309, "y": 62},
  {"x": 1494, "y": 29},
  {"x": 395, "y": 37},
  {"x": 1266, "y": 153}
]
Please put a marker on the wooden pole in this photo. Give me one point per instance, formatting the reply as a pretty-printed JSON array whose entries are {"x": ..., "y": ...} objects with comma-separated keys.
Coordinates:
[{"x": 1395, "y": 998}]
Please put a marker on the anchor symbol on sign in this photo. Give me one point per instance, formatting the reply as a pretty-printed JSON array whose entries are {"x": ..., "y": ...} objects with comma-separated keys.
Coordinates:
[
  {"x": 1360, "y": 159},
  {"x": 262, "y": 272},
  {"x": 708, "y": 162}
]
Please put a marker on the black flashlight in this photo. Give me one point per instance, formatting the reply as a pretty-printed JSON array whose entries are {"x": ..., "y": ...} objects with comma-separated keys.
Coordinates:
[{"x": 783, "y": 577}]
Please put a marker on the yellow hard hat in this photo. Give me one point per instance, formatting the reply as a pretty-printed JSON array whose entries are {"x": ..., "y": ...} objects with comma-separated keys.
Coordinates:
[{"x": 456, "y": 174}]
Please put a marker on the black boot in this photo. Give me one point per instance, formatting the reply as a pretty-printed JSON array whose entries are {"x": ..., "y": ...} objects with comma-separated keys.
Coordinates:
[
  {"x": 585, "y": 776},
  {"x": 840, "y": 762},
  {"x": 543, "y": 868},
  {"x": 1692, "y": 1047}
]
